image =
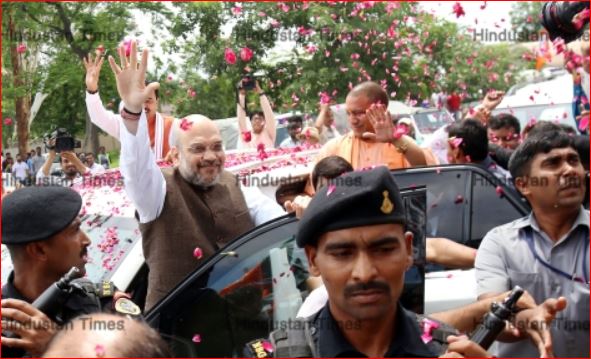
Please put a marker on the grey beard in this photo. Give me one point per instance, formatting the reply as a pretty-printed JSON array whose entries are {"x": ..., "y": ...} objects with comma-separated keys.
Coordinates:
[{"x": 196, "y": 180}]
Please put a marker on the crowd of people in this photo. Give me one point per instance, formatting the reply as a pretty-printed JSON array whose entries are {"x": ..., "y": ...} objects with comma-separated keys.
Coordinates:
[
  {"x": 38, "y": 166},
  {"x": 358, "y": 257}
]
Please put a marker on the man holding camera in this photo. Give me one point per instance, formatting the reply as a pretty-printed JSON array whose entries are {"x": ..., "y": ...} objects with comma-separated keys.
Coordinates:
[
  {"x": 159, "y": 126},
  {"x": 71, "y": 168},
  {"x": 262, "y": 127},
  {"x": 41, "y": 228}
]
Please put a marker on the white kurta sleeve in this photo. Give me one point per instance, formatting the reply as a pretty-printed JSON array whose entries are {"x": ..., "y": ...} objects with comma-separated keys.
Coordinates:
[
  {"x": 262, "y": 208},
  {"x": 100, "y": 116},
  {"x": 144, "y": 181}
]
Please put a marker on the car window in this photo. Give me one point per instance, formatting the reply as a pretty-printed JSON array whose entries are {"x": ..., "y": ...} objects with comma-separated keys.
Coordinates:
[
  {"x": 446, "y": 199},
  {"x": 490, "y": 208},
  {"x": 257, "y": 286},
  {"x": 237, "y": 299}
]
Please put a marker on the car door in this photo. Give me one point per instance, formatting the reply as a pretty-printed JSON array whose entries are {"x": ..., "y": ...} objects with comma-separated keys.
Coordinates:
[
  {"x": 464, "y": 202},
  {"x": 257, "y": 284}
]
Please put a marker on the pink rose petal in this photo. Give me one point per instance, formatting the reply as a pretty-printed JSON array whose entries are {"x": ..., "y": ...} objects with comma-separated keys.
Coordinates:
[
  {"x": 230, "y": 56},
  {"x": 267, "y": 346},
  {"x": 21, "y": 48},
  {"x": 330, "y": 189},
  {"x": 99, "y": 350},
  {"x": 236, "y": 10},
  {"x": 198, "y": 253},
  {"x": 185, "y": 124},
  {"x": 499, "y": 191},
  {"x": 456, "y": 141},
  {"x": 246, "y": 136},
  {"x": 245, "y": 54},
  {"x": 584, "y": 123},
  {"x": 458, "y": 10}
]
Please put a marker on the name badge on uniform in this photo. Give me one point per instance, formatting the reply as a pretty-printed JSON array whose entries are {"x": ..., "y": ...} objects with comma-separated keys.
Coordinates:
[{"x": 127, "y": 307}]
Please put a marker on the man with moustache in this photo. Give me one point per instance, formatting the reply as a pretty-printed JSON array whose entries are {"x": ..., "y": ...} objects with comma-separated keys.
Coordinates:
[
  {"x": 41, "y": 229},
  {"x": 547, "y": 252},
  {"x": 187, "y": 212},
  {"x": 362, "y": 259},
  {"x": 71, "y": 169}
]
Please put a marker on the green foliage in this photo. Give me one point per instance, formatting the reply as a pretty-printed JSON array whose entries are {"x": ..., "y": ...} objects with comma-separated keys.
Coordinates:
[
  {"x": 329, "y": 47},
  {"x": 59, "y": 50},
  {"x": 301, "y": 49},
  {"x": 525, "y": 18}
]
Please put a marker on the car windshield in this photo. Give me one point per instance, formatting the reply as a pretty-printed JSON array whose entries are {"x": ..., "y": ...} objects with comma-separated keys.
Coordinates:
[
  {"x": 112, "y": 238},
  {"x": 108, "y": 218},
  {"x": 429, "y": 121}
]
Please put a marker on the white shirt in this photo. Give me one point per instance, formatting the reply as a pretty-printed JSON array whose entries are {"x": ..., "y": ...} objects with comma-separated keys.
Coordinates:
[
  {"x": 38, "y": 162},
  {"x": 313, "y": 303},
  {"x": 110, "y": 122},
  {"x": 437, "y": 142},
  {"x": 19, "y": 169},
  {"x": 96, "y": 169},
  {"x": 290, "y": 143},
  {"x": 145, "y": 184}
]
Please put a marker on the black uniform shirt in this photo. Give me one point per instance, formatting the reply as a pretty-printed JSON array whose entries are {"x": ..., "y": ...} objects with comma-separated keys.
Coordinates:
[
  {"x": 80, "y": 302},
  {"x": 332, "y": 344}
]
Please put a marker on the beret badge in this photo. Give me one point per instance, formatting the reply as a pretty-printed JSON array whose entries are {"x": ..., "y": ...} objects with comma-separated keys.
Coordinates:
[{"x": 387, "y": 206}]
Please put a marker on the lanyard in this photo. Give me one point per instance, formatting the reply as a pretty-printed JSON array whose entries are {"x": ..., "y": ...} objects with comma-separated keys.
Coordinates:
[{"x": 585, "y": 279}]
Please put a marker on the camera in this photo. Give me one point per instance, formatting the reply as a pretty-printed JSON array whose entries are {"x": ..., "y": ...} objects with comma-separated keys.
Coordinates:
[
  {"x": 64, "y": 141},
  {"x": 557, "y": 19},
  {"x": 247, "y": 83}
]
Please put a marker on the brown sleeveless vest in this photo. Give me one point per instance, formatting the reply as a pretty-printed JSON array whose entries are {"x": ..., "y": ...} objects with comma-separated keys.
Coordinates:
[{"x": 191, "y": 217}]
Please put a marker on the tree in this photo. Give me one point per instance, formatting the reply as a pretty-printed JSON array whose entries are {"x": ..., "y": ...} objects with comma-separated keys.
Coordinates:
[
  {"x": 62, "y": 34},
  {"x": 525, "y": 18},
  {"x": 329, "y": 47}
]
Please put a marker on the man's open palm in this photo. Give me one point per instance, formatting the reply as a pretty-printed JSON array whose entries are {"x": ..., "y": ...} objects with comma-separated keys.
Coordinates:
[{"x": 131, "y": 78}]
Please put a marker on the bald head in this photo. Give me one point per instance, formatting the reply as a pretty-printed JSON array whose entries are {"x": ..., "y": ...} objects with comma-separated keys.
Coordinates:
[
  {"x": 191, "y": 127},
  {"x": 200, "y": 150},
  {"x": 372, "y": 91},
  {"x": 106, "y": 335}
]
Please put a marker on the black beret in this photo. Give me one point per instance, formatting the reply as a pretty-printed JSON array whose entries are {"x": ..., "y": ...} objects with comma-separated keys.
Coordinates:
[
  {"x": 36, "y": 213},
  {"x": 354, "y": 199}
]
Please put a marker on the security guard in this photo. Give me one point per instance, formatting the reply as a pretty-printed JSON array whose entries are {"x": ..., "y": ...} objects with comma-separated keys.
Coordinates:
[
  {"x": 354, "y": 237},
  {"x": 41, "y": 228}
]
